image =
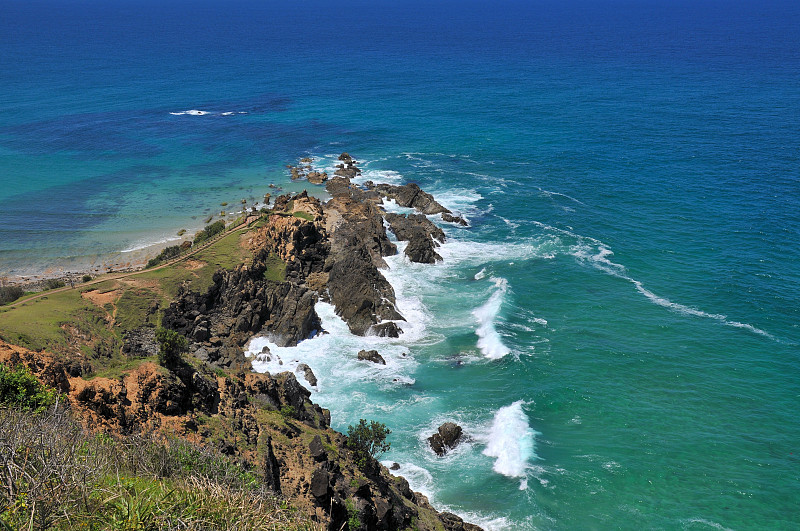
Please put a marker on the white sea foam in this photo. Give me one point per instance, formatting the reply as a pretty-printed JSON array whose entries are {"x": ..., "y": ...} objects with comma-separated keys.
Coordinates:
[
  {"x": 332, "y": 357},
  {"x": 480, "y": 274},
  {"x": 489, "y": 341},
  {"x": 192, "y": 112},
  {"x": 144, "y": 244},
  {"x": 511, "y": 441},
  {"x": 596, "y": 253}
]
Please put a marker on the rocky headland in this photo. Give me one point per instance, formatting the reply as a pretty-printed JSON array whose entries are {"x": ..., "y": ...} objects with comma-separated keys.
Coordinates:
[{"x": 301, "y": 251}]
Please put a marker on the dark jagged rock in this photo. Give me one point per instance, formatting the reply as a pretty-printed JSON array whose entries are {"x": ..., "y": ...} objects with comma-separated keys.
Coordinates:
[
  {"x": 307, "y": 373},
  {"x": 140, "y": 342},
  {"x": 316, "y": 449},
  {"x": 422, "y": 235},
  {"x": 446, "y": 216},
  {"x": 411, "y": 195},
  {"x": 447, "y": 437},
  {"x": 358, "y": 242},
  {"x": 387, "y": 329},
  {"x": 371, "y": 355}
]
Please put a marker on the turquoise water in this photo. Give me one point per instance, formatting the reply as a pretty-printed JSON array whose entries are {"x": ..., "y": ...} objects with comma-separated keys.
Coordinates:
[{"x": 616, "y": 331}]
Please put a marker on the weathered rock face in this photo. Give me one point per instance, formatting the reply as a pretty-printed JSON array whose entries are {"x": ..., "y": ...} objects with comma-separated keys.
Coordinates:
[
  {"x": 371, "y": 355},
  {"x": 421, "y": 234},
  {"x": 450, "y": 218},
  {"x": 411, "y": 195},
  {"x": 307, "y": 373},
  {"x": 447, "y": 437},
  {"x": 361, "y": 294}
]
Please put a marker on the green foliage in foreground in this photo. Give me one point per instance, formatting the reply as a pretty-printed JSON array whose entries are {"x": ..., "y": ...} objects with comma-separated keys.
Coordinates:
[
  {"x": 20, "y": 388},
  {"x": 171, "y": 345},
  {"x": 58, "y": 477},
  {"x": 367, "y": 441}
]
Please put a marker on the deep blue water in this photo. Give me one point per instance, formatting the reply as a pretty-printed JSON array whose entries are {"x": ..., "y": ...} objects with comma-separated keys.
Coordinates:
[{"x": 630, "y": 170}]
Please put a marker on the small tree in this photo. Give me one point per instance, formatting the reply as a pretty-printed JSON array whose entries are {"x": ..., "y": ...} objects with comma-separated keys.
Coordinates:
[
  {"x": 170, "y": 346},
  {"x": 367, "y": 440}
]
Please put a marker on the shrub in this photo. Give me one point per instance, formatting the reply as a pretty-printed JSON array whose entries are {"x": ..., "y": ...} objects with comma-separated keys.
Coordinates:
[
  {"x": 168, "y": 253},
  {"x": 10, "y": 294},
  {"x": 210, "y": 231},
  {"x": 53, "y": 283},
  {"x": 170, "y": 347},
  {"x": 86, "y": 278},
  {"x": 288, "y": 412},
  {"x": 20, "y": 388},
  {"x": 367, "y": 440}
]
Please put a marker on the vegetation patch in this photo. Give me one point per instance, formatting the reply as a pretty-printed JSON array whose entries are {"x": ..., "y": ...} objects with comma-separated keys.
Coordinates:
[
  {"x": 304, "y": 215},
  {"x": 276, "y": 268},
  {"x": 210, "y": 231},
  {"x": 20, "y": 388},
  {"x": 10, "y": 294},
  {"x": 173, "y": 251},
  {"x": 58, "y": 477}
]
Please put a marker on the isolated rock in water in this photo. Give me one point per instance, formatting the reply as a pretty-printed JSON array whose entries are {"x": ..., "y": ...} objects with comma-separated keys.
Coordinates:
[
  {"x": 446, "y": 438},
  {"x": 371, "y": 355},
  {"x": 454, "y": 219},
  {"x": 307, "y": 373},
  {"x": 316, "y": 177}
]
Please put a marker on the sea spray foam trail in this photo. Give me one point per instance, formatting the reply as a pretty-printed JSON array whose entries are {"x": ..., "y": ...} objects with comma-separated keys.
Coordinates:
[
  {"x": 489, "y": 341},
  {"x": 511, "y": 442}
]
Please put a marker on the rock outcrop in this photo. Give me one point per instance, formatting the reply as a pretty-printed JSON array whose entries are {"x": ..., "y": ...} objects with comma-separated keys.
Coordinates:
[
  {"x": 421, "y": 234},
  {"x": 412, "y": 196},
  {"x": 446, "y": 438},
  {"x": 372, "y": 356},
  {"x": 265, "y": 420}
]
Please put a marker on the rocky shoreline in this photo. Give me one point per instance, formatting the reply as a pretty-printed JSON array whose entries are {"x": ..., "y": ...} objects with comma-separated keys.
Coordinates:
[{"x": 303, "y": 252}]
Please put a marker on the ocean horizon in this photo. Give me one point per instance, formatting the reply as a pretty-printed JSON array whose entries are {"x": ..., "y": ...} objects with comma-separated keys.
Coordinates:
[{"x": 616, "y": 330}]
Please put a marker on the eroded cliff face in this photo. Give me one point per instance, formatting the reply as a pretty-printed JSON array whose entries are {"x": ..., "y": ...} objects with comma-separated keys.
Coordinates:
[{"x": 266, "y": 420}]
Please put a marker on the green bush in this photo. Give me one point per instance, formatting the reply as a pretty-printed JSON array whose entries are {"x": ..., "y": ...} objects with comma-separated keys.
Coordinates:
[
  {"x": 170, "y": 346},
  {"x": 10, "y": 294},
  {"x": 87, "y": 278},
  {"x": 210, "y": 231},
  {"x": 53, "y": 283},
  {"x": 367, "y": 440},
  {"x": 168, "y": 253},
  {"x": 288, "y": 412},
  {"x": 20, "y": 388}
]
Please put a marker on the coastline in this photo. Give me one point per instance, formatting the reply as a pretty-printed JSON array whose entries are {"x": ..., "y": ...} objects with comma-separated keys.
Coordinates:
[{"x": 337, "y": 236}]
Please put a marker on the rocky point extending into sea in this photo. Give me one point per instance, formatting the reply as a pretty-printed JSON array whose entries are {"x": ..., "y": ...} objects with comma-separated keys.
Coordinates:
[{"x": 329, "y": 251}]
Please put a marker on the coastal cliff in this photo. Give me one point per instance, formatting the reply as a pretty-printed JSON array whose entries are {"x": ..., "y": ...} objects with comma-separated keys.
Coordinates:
[{"x": 298, "y": 252}]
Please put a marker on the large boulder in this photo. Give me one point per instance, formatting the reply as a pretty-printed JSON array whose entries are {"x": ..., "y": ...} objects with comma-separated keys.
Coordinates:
[
  {"x": 446, "y": 438},
  {"x": 371, "y": 355}
]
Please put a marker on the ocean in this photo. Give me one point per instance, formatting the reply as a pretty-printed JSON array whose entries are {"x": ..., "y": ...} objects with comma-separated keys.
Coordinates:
[{"x": 617, "y": 329}]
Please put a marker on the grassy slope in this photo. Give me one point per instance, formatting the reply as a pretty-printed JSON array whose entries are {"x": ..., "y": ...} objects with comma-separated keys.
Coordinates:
[{"x": 92, "y": 320}]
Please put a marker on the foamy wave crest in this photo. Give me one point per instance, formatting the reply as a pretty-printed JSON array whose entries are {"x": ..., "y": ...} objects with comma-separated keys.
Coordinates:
[
  {"x": 489, "y": 341},
  {"x": 191, "y": 112},
  {"x": 511, "y": 441},
  {"x": 332, "y": 358},
  {"x": 596, "y": 254},
  {"x": 145, "y": 244}
]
